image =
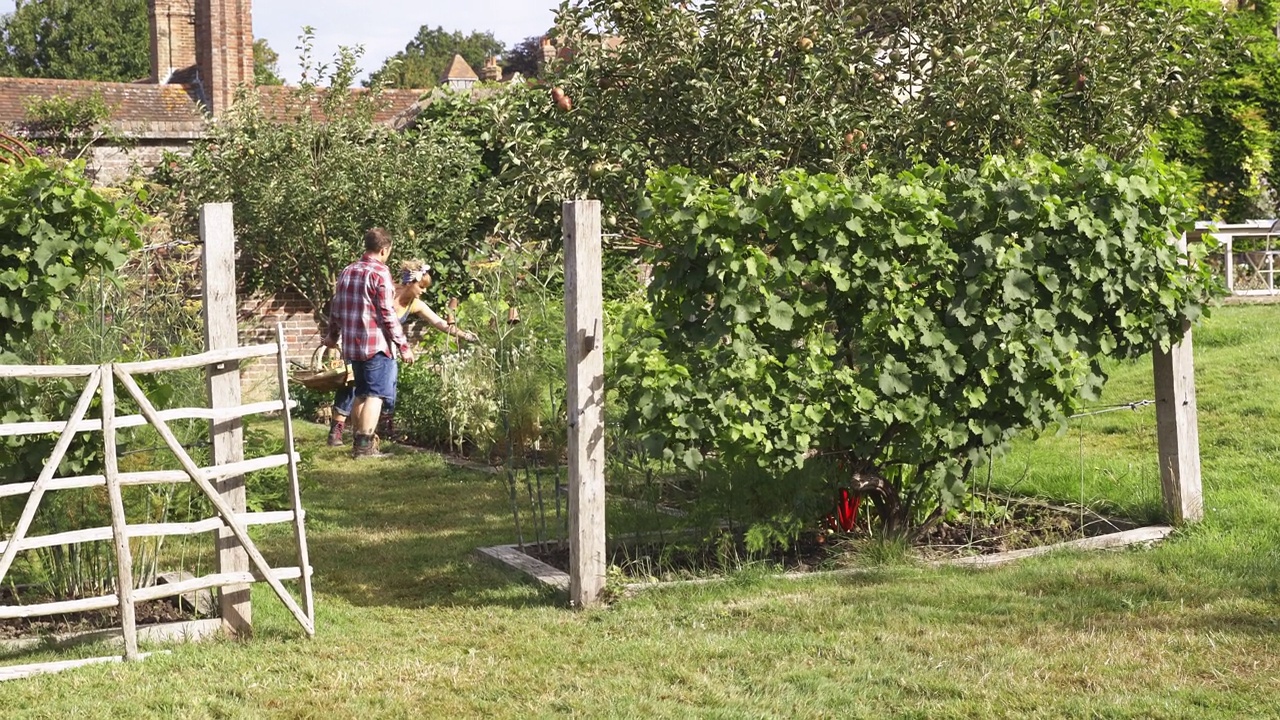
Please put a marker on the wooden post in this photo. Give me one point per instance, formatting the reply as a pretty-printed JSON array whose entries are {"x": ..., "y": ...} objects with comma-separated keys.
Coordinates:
[
  {"x": 584, "y": 362},
  {"x": 1229, "y": 256},
  {"x": 1177, "y": 429},
  {"x": 217, "y": 231},
  {"x": 119, "y": 536},
  {"x": 295, "y": 491}
]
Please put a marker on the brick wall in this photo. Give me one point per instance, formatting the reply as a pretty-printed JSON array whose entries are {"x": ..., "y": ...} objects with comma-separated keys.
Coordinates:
[{"x": 258, "y": 318}]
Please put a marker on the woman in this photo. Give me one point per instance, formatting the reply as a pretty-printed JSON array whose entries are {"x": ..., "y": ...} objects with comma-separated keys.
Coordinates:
[{"x": 415, "y": 279}]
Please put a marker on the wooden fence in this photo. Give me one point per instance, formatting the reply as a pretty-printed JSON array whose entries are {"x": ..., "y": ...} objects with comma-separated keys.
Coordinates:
[{"x": 101, "y": 380}]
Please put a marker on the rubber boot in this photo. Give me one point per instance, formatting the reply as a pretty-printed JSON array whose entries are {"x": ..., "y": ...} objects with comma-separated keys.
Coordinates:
[{"x": 335, "y": 432}]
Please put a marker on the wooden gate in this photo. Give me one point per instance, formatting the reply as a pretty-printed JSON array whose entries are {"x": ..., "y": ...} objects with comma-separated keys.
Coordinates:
[{"x": 101, "y": 380}]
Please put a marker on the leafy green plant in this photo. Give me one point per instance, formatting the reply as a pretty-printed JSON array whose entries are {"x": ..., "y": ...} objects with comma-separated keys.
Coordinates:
[
  {"x": 69, "y": 125},
  {"x": 56, "y": 230},
  {"x": 905, "y": 324},
  {"x": 269, "y": 489},
  {"x": 420, "y": 408}
]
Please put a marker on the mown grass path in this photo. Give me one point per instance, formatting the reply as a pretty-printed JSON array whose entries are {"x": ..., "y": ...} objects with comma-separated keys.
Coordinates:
[{"x": 411, "y": 626}]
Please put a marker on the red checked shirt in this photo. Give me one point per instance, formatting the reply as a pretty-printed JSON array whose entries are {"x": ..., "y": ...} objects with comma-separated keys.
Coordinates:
[{"x": 363, "y": 312}]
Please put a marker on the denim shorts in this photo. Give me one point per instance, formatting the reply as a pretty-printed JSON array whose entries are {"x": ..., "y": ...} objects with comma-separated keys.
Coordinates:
[
  {"x": 376, "y": 377},
  {"x": 345, "y": 397}
]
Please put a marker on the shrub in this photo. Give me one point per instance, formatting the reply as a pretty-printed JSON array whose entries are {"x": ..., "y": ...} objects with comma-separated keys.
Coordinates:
[{"x": 905, "y": 324}]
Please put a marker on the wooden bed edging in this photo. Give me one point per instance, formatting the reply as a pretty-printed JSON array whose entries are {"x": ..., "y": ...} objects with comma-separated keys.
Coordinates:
[{"x": 510, "y": 556}]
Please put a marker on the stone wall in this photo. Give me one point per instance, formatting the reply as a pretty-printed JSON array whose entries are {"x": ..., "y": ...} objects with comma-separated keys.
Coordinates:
[{"x": 111, "y": 165}]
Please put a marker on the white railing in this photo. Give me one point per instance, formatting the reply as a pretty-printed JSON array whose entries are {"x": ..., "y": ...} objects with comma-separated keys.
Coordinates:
[{"x": 1250, "y": 255}]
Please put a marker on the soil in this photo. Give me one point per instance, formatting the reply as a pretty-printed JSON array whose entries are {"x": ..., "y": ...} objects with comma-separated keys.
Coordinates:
[
  {"x": 1029, "y": 523},
  {"x": 153, "y": 612}
]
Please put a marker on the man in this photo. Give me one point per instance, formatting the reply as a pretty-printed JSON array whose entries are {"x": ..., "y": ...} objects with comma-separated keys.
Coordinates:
[{"x": 363, "y": 314}]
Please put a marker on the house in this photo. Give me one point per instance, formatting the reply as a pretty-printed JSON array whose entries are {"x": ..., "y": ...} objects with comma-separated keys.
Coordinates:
[{"x": 459, "y": 75}]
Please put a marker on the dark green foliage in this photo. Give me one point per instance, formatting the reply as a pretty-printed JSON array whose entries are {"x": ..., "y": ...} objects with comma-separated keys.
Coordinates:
[
  {"x": 525, "y": 58},
  {"x": 904, "y": 324},
  {"x": 269, "y": 489},
  {"x": 1231, "y": 140},
  {"x": 77, "y": 39},
  {"x": 420, "y": 410},
  {"x": 266, "y": 68},
  {"x": 423, "y": 61},
  {"x": 758, "y": 86}
]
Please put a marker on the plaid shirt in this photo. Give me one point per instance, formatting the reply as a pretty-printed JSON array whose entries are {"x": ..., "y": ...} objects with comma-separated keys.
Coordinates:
[{"x": 363, "y": 312}]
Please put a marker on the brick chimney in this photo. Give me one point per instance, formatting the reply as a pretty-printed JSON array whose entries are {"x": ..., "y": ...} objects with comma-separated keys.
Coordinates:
[
  {"x": 203, "y": 42},
  {"x": 491, "y": 72},
  {"x": 224, "y": 50},
  {"x": 173, "y": 37}
]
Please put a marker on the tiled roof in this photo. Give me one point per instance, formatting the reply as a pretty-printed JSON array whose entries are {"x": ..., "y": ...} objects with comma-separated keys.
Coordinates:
[
  {"x": 279, "y": 103},
  {"x": 168, "y": 111},
  {"x": 458, "y": 70},
  {"x": 160, "y": 111}
]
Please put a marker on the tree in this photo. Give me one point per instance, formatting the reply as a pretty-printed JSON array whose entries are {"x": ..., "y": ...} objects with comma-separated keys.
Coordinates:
[
  {"x": 307, "y": 188},
  {"x": 426, "y": 57},
  {"x": 853, "y": 88},
  {"x": 78, "y": 39},
  {"x": 266, "y": 68},
  {"x": 525, "y": 58}
]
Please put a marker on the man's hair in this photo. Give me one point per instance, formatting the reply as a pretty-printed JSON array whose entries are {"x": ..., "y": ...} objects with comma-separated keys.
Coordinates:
[{"x": 376, "y": 240}]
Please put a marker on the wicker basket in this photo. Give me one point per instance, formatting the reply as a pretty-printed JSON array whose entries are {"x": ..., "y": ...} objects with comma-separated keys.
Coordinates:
[{"x": 324, "y": 375}]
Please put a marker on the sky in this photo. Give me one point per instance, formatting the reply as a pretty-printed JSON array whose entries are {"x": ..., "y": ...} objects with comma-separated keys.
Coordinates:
[{"x": 384, "y": 27}]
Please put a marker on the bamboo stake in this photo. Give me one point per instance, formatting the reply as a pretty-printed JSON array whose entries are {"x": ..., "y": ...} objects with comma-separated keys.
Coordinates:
[
  {"x": 228, "y": 515},
  {"x": 50, "y": 467},
  {"x": 295, "y": 490},
  {"x": 120, "y": 537}
]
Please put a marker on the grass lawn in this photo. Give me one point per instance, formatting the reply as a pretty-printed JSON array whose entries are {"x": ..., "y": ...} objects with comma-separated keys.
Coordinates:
[{"x": 409, "y": 625}]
